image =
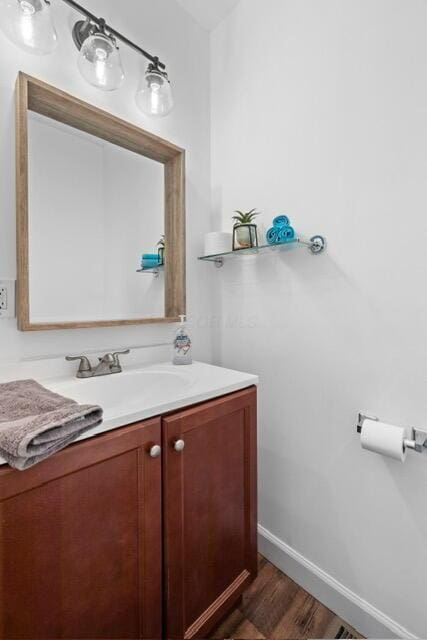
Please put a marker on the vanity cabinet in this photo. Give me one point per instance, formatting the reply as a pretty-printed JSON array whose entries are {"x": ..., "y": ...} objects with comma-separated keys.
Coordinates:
[
  {"x": 111, "y": 539},
  {"x": 80, "y": 541},
  {"x": 209, "y": 511}
]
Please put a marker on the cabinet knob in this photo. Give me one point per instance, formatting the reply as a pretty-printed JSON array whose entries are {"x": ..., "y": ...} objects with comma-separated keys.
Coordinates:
[
  {"x": 179, "y": 446},
  {"x": 155, "y": 451}
]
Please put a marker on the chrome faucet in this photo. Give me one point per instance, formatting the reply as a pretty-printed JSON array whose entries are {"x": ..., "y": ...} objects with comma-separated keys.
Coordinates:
[{"x": 108, "y": 365}]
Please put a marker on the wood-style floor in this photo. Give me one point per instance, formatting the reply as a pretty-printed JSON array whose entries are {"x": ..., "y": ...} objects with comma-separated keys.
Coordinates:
[{"x": 276, "y": 608}]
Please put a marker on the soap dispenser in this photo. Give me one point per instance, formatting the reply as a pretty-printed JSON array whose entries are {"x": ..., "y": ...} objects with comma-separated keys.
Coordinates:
[{"x": 182, "y": 345}]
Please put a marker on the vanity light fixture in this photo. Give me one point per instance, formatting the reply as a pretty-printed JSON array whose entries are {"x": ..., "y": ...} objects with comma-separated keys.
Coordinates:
[
  {"x": 154, "y": 95},
  {"x": 29, "y": 24},
  {"x": 99, "y": 60},
  {"x": 100, "y": 64}
]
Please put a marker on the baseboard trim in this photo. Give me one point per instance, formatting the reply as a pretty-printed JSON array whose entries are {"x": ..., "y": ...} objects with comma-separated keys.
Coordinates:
[{"x": 361, "y": 615}]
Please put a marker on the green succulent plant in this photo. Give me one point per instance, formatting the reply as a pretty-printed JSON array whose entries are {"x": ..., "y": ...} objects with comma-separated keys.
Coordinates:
[{"x": 245, "y": 218}]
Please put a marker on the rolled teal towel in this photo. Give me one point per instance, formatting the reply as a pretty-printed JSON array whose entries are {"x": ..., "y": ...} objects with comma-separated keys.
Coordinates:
[
  {"x": 145, "y": 267},
  {"x": 149, "y": 264},
  {"x": 281, "y": 232},
  {"x": 150, "y": 256},
  {"x": 281, "y": 221},
  {"x": 273, "y": 235},
  {"x": 286, "y": 234}
]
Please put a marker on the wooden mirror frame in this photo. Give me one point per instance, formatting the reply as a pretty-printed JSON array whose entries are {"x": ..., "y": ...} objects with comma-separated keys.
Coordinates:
[{"x": 35, "y": 95}]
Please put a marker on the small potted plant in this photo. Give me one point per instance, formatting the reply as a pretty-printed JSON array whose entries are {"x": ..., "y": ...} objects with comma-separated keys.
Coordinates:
[
  {"x": 245, "y": 231},
  {"x": 161, "y": 250}
]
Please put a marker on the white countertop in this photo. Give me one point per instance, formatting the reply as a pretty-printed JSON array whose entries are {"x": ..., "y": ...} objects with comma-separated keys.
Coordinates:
[{"x": 142, "y": 392}]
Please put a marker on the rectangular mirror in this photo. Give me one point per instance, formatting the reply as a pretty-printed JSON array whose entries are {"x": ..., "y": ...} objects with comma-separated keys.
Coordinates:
[{"x": 94, "y": 194}]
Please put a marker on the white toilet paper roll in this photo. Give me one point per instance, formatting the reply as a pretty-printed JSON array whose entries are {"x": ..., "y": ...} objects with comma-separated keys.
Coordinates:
[
  {"x": 384, "y": 439},
  {"x": 218, "y": 242}
]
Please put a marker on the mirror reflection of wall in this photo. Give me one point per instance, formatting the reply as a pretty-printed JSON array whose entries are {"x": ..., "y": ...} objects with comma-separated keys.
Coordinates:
[{"x": 94, "y": 208}]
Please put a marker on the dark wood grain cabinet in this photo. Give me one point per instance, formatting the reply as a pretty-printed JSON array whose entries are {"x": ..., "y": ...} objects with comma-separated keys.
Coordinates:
[
  {"x": 209, "y": 511},
  {"x": 105, "y": 541},
  {"x": 80, "y": 551}
]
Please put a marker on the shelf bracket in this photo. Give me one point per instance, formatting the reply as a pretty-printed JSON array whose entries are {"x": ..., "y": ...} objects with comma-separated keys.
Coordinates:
[
  {"x": 316, "y": 244},
  {"x": 219, "y": 262}
]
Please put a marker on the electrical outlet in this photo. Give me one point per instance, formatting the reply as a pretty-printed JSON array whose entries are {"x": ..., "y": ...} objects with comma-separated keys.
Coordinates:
[
  {"x": 3, "y": 298},
  {"x": 7, "y": 298}
]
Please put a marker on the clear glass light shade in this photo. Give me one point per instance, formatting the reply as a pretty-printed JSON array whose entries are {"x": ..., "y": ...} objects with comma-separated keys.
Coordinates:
[
  {"x": 100, "y": 64},
  {"x": 154, "y": 95},
  {"x": 29, "y": 24}
]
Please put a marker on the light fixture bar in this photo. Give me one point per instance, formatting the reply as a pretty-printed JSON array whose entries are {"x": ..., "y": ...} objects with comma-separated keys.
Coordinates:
[{"x": 116, "y": 34}]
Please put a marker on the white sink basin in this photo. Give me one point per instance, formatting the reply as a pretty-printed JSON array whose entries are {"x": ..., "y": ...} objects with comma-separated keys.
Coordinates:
[
  {"x": 127, "y": 391},
  {"x": 145, "y": 392}
]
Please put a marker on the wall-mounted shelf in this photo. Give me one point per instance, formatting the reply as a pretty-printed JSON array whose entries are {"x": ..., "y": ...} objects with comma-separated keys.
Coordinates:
[
  {"x": 154, "y": 271},
  {"x": 316, "y": 245}
]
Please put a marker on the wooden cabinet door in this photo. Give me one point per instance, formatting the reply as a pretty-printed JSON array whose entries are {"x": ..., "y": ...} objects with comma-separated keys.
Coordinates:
[
  {"x": 80, "y": 541},
  {"x": 210, "y": 519}
]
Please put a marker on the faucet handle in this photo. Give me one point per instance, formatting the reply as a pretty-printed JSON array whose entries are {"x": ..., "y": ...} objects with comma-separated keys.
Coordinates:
[
  {"x": 85, "y": 368},
  {"x": 116, "y": 355},
  {"x": 107, "y": 358}
]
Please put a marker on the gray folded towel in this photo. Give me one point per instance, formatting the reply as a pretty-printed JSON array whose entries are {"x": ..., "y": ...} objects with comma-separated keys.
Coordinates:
[{"x": 36, "y": 423}]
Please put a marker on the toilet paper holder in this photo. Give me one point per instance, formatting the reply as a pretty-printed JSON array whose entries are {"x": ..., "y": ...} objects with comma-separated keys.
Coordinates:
[{"x": 419, "y": 436}]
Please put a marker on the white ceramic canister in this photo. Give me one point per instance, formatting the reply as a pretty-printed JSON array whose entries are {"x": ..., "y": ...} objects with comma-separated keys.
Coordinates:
[{"x": 218, "y": 242}]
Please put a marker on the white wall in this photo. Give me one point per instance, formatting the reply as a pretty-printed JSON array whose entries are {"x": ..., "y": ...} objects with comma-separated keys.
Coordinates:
[
  {"x": 164, "y": 28},
  {"x": 319, "y": 110}
]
